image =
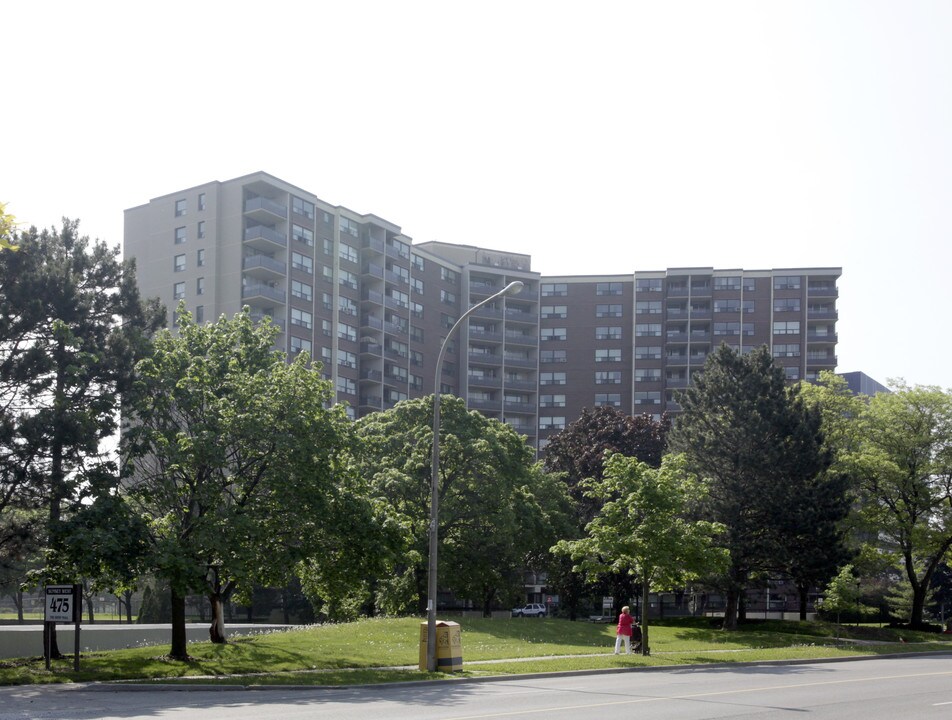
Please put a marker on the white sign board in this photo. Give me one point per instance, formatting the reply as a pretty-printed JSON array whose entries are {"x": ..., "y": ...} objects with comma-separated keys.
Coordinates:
[
  {"x": 59, "y": 603},
  {"x": 607, "y": 602}
]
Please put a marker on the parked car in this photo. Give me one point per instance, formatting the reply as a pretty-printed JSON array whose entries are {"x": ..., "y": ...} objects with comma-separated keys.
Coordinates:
[{"x": 530, "y": 610}]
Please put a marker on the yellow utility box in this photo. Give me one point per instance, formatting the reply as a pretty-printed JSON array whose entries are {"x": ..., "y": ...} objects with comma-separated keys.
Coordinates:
[{"x": 449, "y": 646}]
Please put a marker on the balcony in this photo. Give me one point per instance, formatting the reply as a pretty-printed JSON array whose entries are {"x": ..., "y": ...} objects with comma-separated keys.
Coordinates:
[
  {"x": 677, "y": 359},
  {"x": 371, "y": 321},
  {"x": 483, "y": 335},
  {"x": 259, "y": 317},
  {"x": 822, "y": 290},
  {"x": 373, "y": 270},
  {"x": 371, "y": 376},
  {"x": 827, "y": 361},
  {"x": 371, "y": 402},
  {"x": 373, "y": 244},
  {"x": 265, "y": 210},
  {"x": 520, "y": 362},
  {"x": 521, "y": 407},
  {"x": 678, "y": 290},
  {"x": 821, "y": 337},
  {"x": 265, "y": 238},
  {"x": 484, "y": 381},
  {"x": 491, "y": 405},
  {"x": 485, "y": 359},
  {"x": 677, "y": 337},
  {"x": 258, "y": 290},
  {"x": 519, "y": 316},
  {"x": 520, "y": 385},
  {"x": 485, "y": 312},
  {"x": 372, "y": 296},
  {"x": 518, "y": 338},
  {"x": 822, "y": 314},
  {"x": 262, "y": 266},
  {"x": 370, "y": 348}
]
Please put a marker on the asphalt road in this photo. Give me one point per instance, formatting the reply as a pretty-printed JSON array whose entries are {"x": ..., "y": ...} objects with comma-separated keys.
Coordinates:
[{"x": 880, "y": 689}]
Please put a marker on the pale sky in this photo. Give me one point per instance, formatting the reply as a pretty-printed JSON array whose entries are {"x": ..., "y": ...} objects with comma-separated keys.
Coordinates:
[{"x": 598, "y": 137}]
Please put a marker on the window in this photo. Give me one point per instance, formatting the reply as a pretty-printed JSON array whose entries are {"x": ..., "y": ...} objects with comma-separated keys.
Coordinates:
[
  {"x": 416, "y": 285},
  {"x": 416, "y": 382},
  {"x": 648, "y": 398},
  {"x": 448, "y": 275},
  {"x": 349, "y": 227},
  {"x": 547, "y": 334},
  {"x": 180, "y": 207},
  {"x": 727, "y": 306},
  {"x": 302, "y": 235},
  {"x": 646, "y": 307},
  {"x": 447, "y": 322},
  {"x": 402, "y": 249},
  {"x": 554, "y": 311},
  {"x": 401, "y": 349},
  {"x": 547, "y": 422},
  {"x": 552, "y": 356},
  {"x": 327, "y": 246},
  {"x": 399, "y": 298},
  {"x": 179, "y": 235},
  {"x": 327, "y": 328},
  {"x": 301, "y": 318},
  {"x": 648, "y": 374},
  {"x": 178, "y": 290},
  {"x": 786, "y": 328},
  {"x": 792, "y": 373},
  {"x": 750, "y": 284},
  {"x": 747, "y": 329},
  {"x": 648, "y": 330},
  {"x": 302, "y": 262},
  {"x": 301, "y": 290},
  {"x": 348, "y": 279},
  {"x": 347, "y": 252},
  {"x": 788, "y": 350},
  {"x": 748, "y": 306},
  {"x": 727, "y": 328},
  {"x": 786, "y": 304},
  {"x": 417, "y": 262},
  {"x": 447, "y": 297},
  {"x": 605, "y": 377},
  {"x": 552, "y": 378},
  {"x": 612, "y": 332},
  {"x": 201, "y": 201},
  {"x": 648, "y": 285},
  {"x": 608, "y": 355},
  {"x": 302, "y": 207},
  {"x": 609, "y": 288},
  {"x": 397, "y": 372},
  {"x": 611, "y": 310},
  {"x": 179, "y": 263},
  {"x": 346, "y": 385},
  {"x": 300, "y": 345},
  {"x": 416, "y": 358},
  {"x": 786, "y": 282},
  {"x": 347, "y": 332},
  {"x": 200, "y": 286},
  {"x": 608, "y": 399},
  {"x": 347, "y": 306},
  {"x": 347, "y": 359},
  {"x": 554, "y": 289},
  {"x": 200, "y": 257},
  {"x": 548, "y": 401},
  {"x": 648, "y": 352},
  {"x": 199, "y": 313},
  {"x": 727, "y": 283},
  {"x": 327, "y": 272},
  {"x": 416, "y": 310},
  {"x": 416, "y": 334},
  {"x": 398, "y": 270},
  {"x": 201, "y": 230}
]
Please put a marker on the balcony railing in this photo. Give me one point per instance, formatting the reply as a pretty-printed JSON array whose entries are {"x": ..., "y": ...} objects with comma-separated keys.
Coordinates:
[
  {"x": 266, "y": 291},
  {"x": 260, "y": 232}
]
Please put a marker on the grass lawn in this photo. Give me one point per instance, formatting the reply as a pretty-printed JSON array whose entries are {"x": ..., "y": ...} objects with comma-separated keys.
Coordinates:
[{"x": 374, "y": 651}]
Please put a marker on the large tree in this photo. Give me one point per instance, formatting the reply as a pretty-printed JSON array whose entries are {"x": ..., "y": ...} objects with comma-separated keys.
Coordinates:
[
  {"x": 644, "y": 527},
  {"x": 904, "y": 468},
  {"x": 71, "y": 328},
  {"x": 758, "y": 447},
  {"x": 499, "y": 511},
  {"x": 235, "y": 464}
]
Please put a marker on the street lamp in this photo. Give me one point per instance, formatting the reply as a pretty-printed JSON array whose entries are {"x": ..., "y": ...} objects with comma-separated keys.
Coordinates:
[{"x": 510, "y": 289}]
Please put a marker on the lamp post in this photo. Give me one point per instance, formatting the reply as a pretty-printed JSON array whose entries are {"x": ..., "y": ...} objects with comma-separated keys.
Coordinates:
[{"x": 510, "y": 289}]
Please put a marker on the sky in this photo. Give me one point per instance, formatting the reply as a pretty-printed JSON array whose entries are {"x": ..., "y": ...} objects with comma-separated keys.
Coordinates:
[{"x": 598, "y": 137}]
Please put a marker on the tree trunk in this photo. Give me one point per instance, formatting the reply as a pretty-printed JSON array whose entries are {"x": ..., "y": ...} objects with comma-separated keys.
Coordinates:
[
  {"x": 90, "y": 609},
  {"x": 128, "y": 596},
  {"x": 179, "y": 649},
  {"x": 645, "y": 649},
  {"x": 216, "y": 630},
  {"x": 50, "y": 646},
  {"x": 18, "y": 601},
  {"x": 730, "y": 610},
  {"x": 803, "y": 593}
]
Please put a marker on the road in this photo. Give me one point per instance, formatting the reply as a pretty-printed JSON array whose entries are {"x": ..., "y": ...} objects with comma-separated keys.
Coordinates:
[{"x": 881, "y": 689}]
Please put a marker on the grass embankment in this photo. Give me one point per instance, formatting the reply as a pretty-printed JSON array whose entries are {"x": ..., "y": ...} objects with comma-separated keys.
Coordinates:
[{"x": 373, "y": 651}]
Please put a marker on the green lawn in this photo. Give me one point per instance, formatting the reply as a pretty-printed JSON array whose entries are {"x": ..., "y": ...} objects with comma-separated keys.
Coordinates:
[{"x": 373, "y": 651}]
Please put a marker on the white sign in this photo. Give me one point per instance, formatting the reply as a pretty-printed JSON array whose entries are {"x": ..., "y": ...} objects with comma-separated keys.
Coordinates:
[
  {"x": 607, "y": 602},
  {"x": 59, "y": 603}
]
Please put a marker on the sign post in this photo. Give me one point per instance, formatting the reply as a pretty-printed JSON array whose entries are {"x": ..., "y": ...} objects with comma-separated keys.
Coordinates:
[{"x": 63, "y": 605}]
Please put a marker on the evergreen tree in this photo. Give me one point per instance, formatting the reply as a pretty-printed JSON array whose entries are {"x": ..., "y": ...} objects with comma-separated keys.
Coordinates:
[{"x": 760, "y": 450}]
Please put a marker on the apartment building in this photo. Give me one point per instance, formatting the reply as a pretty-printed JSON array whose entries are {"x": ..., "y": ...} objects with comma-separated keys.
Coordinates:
[{"x": 357, "y": 294}]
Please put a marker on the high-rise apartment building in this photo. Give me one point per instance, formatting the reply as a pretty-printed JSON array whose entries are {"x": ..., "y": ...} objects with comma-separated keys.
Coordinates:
[{"x": 359, "y": 296}]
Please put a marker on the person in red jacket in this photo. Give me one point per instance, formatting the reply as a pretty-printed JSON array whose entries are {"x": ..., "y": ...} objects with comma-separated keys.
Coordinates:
[{"x": 625, "y": 621}]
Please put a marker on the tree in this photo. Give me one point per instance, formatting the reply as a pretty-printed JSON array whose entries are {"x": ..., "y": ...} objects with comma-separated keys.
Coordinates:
[
  {"x": 7, "y": 229},
  {"x": 643, "y": 527},
  {"x": 580, "y": 451},
  {"x": 235, "y": 464},
  {"x": 904, "y": 468},
  {"x": 498, "y": 509},
  {"x": 71, "y": 328},
  {"x": 760, "y": 449}
]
